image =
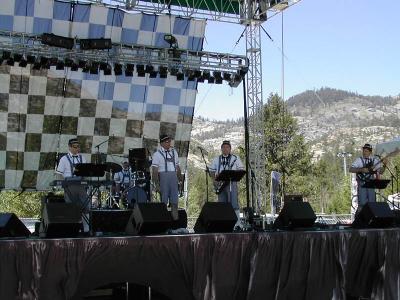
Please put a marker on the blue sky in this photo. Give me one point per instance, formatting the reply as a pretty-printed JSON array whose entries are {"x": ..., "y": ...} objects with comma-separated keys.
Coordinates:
[{"x": 346, "y": 44}]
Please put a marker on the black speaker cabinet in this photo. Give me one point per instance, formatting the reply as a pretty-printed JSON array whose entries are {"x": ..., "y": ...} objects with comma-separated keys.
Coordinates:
[
  {"x": 109, "y": 220},
  {"x": 182, "y": 220},
  {"x": 374, "y": 215},
  {"x": 149, "y": 218},
  {"x": 216, "y": 217},
  {"x": 61, "y": 220},
  {"x": 295, "y": 214},
  {"x": 11, "y": 226}
]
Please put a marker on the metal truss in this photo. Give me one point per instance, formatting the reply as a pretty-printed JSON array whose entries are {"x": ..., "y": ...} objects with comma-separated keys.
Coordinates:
[{"x": 125, "y": 54}]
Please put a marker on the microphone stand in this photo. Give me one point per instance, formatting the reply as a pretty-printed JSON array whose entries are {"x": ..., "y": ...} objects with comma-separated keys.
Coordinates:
[
  {"x": 207, "y": 172},
  {"x": 98, "y": 149}
]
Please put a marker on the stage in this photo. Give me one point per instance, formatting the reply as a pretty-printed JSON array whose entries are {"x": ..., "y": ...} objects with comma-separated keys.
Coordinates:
[{"x": 269, "y": 265}]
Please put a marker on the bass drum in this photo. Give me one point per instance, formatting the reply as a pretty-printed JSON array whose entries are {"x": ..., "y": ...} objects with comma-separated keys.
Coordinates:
[{"x": 136, "y": 195}]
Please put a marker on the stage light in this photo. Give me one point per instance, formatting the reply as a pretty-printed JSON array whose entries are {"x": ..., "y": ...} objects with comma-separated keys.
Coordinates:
[
  {"x": 82, "y": 64},
  {"x": 149, "y": 69},
  {"x": 180, "y": 76},
  {"x": 107, "y": 70},
  {"x": 53, "y": 61},
  {"x": 171, "y": 40},
  {"x": 140, "y": 70},
  {"x": 174, "y": 71},
  {"x": 243, "y": 71},
  {"x": 68, "y": 62},
  {"x": 1, "y": 61},
  {"x": 60, "y": 65},
  {"x": 206, "y": 74},
  {"x": 227, "y": 76},
  {"x": 190, "y": 75},
  {"x": 197, "y": 73},
  {"x": 36, "y": 65},
  {"x": 6, "y": 54},
  {"x": 129, "y": 70},
  {"x": 103, "y": 66},
  {"x": 23, "y": 63},
  {"x": 86, "y": 68},
  {"x": 94, "y": 68},
  {"x": 200, "y": 79},
  {"x": 30, "y": 59},
  {"x": 74, "y": 67},
  {"x": 211, "y": 79},
  {"x": 153, "y": 74},
  {"x": 57, "y": 41},
  {"x": 117, "y": 69},
  {"x": 237, "y": 79},
  {"x": 10, "y": 61},
  {"x": 218, "y": 77},
  {"x": 163, "y": 71},
  {"x": 17, "y": 57},
  {"x": 100, "y": 44}
]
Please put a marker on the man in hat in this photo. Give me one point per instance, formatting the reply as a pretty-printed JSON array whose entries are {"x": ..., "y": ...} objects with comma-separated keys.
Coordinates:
[
  {"x": 73, "y": 193},
  {"x": 367, "y": 167},
  {"x": 166, "y": 173},
  {"x": 227, "y": 191}
]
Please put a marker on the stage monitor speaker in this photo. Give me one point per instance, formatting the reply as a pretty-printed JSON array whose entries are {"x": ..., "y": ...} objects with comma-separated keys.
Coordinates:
[
  {"x": 61, "y": 220},
  {"x": 295, "y": 214},
  {"x": 11, "y": 226},
  {"x": 149, "y": 218},
  {"x": 109, "y": 221},
  {"x": 216, "y": 217},
  {"x": 374, "y": 215},
  {"x": 182, "y": 220}
]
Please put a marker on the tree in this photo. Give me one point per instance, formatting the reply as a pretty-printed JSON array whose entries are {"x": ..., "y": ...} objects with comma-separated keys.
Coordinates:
[{"x": 286, "y": 149}]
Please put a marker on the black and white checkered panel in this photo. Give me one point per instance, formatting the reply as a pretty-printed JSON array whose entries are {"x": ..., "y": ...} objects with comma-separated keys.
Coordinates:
[{"x": 41, "y": 110}]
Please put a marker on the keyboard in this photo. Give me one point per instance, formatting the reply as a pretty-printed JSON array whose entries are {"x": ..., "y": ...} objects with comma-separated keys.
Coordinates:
[{"x": 81, "y": 182}]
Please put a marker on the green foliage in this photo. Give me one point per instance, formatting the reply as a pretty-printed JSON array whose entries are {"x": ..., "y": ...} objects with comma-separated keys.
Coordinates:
[
  {"x": 26, "y": 204},
  {"x": 341, "y": 199}
]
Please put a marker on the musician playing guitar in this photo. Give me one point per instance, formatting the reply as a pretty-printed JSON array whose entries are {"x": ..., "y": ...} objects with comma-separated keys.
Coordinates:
[
  {"x": 367, "y": 167},
  {"x": 227, "y": 191}
]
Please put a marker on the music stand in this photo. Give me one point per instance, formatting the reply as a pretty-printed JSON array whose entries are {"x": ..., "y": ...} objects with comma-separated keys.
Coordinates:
[
  {"x": 89, "y": 170},
  {"x": 378, "y": 184},
  {"x": 230, "y": 175}
]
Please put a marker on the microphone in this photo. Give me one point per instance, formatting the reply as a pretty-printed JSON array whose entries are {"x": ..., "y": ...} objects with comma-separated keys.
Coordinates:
[{"x": 202, "y": 149}]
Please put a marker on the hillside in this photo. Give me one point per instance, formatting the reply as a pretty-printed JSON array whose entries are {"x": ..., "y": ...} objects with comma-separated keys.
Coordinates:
[{"x": 328, "y": 118}]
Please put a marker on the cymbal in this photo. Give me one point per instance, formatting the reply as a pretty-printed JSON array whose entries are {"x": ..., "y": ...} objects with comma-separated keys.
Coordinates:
[{"x": 113, "y": 167}]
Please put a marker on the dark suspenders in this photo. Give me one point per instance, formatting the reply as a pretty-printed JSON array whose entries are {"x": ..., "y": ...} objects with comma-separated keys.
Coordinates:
[
  {"x": 71, "y": 164},
  {"x": 166, "y": 159},
  {"x": 228, "y": 163}
]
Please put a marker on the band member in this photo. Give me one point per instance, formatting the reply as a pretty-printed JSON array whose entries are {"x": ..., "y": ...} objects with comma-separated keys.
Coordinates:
[
  {"x": 73, "y": 193},
  {"x": 122, "y": 179},
  {"x": 166, "y": 173},
  {"x": 367, "y": 167},
  {"x": 227, "y": 191}
]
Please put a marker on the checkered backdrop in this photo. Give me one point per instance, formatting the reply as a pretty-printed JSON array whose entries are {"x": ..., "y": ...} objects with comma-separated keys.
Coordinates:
[{"x": 40, "y": 110}]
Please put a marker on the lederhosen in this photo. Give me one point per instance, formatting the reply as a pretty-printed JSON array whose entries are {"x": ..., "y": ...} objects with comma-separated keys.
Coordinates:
[
  {"x": 125, "y": 174},
  {"x": 230, "y": 192},
  {"x": 169, "y": 179},
  {"x": 364, "y": 194}
]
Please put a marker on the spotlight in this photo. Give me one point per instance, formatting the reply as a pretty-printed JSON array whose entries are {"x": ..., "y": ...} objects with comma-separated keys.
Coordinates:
[
  {"x": 68, "y": 62},
  {"x": 174, "y": 71},
  {"x": 179, "y": 76},
  {"x": 74, "y": 67},
  {"x": 94, "y": 68},
  {"x": 163, "y": 71},
  {"x": 140, "y": 70},
  {"x": 191, "y": 76},
  {"x": 129, "y": 70},
  {"x": 17, "y": 57},
  {"x": 149, "y": 69},
  {"x": 211, "y": 79},
  {"x": 200, "y": 79},
  {"x": 171, "y": 40},
  {"x": 117, "y": 69},
  {"x": 23, "y": 63},
  {"x": 218, "y": 77},
  {"x": 243, "y": 71},
  {"x": 197, "y": 73},
  {"x": 227, "y": 76},
  {"x": 36, "y": 66},
  {"x": 153, "y": 74},
  {"x": 82, "y": 64},
  {"x": 237, "y": 79},
  {"x": 6, "y": 54},
  {"x": 10, "y": 61},
  {"x": 206, "y": 74},
  {"x": 30, "y": 59},
  {"x": 103, "y": 66},
  {"x": 107, "y": 70},
  {"x": 53, "y": 61},
  {"x": 86, "y": 68},
  {"x": 60, "y": 65}
]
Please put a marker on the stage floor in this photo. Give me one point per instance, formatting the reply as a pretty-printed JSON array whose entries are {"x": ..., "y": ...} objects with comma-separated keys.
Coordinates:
[{"x": 268, "y": 265}]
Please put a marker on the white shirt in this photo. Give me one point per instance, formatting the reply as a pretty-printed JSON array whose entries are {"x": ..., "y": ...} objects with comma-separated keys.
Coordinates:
[
  {"x": 162, "y": 155},
  {"x": 362, "y": 162},
  {"x": 230, "y": 162},
  {"x": 64, "y": 166},
  {"x": 120, "y": 178}
]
